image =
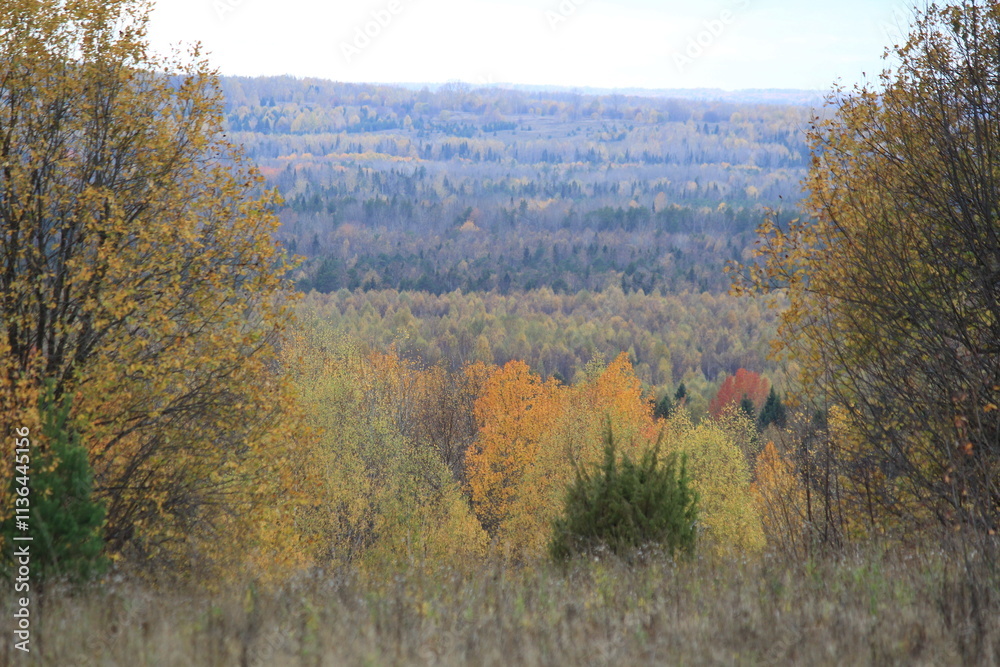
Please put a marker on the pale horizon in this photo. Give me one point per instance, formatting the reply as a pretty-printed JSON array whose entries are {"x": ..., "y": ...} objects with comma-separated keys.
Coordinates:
[{"x": 639, "y": 44}]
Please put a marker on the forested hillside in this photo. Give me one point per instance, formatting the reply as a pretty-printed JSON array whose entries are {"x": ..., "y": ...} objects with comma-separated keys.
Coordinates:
[{"x": 485, "y": 189}]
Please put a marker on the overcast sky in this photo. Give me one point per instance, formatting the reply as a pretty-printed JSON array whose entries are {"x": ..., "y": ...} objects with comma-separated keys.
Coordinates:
[{"x": 730, "y": 44}]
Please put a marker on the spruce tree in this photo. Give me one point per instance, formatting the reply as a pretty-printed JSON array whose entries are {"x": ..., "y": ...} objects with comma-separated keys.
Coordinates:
[
  {"x": 664, "y": 407},
  {"x": 773, "y": 412},
  {"x": 64, "y": 520}
]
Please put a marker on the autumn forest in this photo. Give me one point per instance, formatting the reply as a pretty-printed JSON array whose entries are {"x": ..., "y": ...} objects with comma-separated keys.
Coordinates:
[{"x": 295, "y": 371}]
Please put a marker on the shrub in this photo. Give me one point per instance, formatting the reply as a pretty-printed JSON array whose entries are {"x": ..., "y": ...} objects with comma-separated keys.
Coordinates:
[{"x": 623, "y": 505}]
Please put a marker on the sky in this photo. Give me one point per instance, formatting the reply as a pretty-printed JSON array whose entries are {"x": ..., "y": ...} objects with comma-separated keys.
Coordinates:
[{"x": 728, "y": 44}]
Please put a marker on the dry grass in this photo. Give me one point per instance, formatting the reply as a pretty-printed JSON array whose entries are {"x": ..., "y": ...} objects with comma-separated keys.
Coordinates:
[{"x": 862, "y": 608}]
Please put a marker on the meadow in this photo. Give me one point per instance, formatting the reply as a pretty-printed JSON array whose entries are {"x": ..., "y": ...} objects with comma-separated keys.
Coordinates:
[{"x": 870, "y": 605}]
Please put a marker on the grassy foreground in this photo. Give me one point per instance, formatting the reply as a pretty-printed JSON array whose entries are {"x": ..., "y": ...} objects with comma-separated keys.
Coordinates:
[{"x": 859, "y": 608}]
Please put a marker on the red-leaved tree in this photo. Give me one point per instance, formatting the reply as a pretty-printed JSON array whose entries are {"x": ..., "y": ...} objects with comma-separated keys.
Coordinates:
[{"x": 735, "y": 387}]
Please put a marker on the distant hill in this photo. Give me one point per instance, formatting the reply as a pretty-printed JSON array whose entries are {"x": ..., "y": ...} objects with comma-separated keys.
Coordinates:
[
  {"x": 507, "y": 189},
  {"x": 810, "y": 98}
]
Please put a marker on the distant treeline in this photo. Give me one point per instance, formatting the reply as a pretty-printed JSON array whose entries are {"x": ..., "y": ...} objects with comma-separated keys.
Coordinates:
[{"x": 695, "y": 339}]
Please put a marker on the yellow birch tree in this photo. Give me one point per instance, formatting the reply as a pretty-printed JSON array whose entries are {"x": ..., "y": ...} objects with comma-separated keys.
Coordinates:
[
  {"x": 892, "y": 275},
  {"x": 137, "y": 272}
]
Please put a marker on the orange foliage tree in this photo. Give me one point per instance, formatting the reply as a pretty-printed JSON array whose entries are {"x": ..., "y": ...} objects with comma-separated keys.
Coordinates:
[{"x": 514, "y": 410}]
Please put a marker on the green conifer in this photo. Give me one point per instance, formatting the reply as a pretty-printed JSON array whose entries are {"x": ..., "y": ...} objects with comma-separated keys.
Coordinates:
[
  {"x": 773, "y": 412},
  {"x": 64, "y": 520},
  {"x": 622, "y": 505},
  {"x": 664, "y": 407}
]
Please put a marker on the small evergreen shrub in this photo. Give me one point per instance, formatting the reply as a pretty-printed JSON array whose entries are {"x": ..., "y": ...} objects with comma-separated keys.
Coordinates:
[{"x": 623, "y": 505}]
